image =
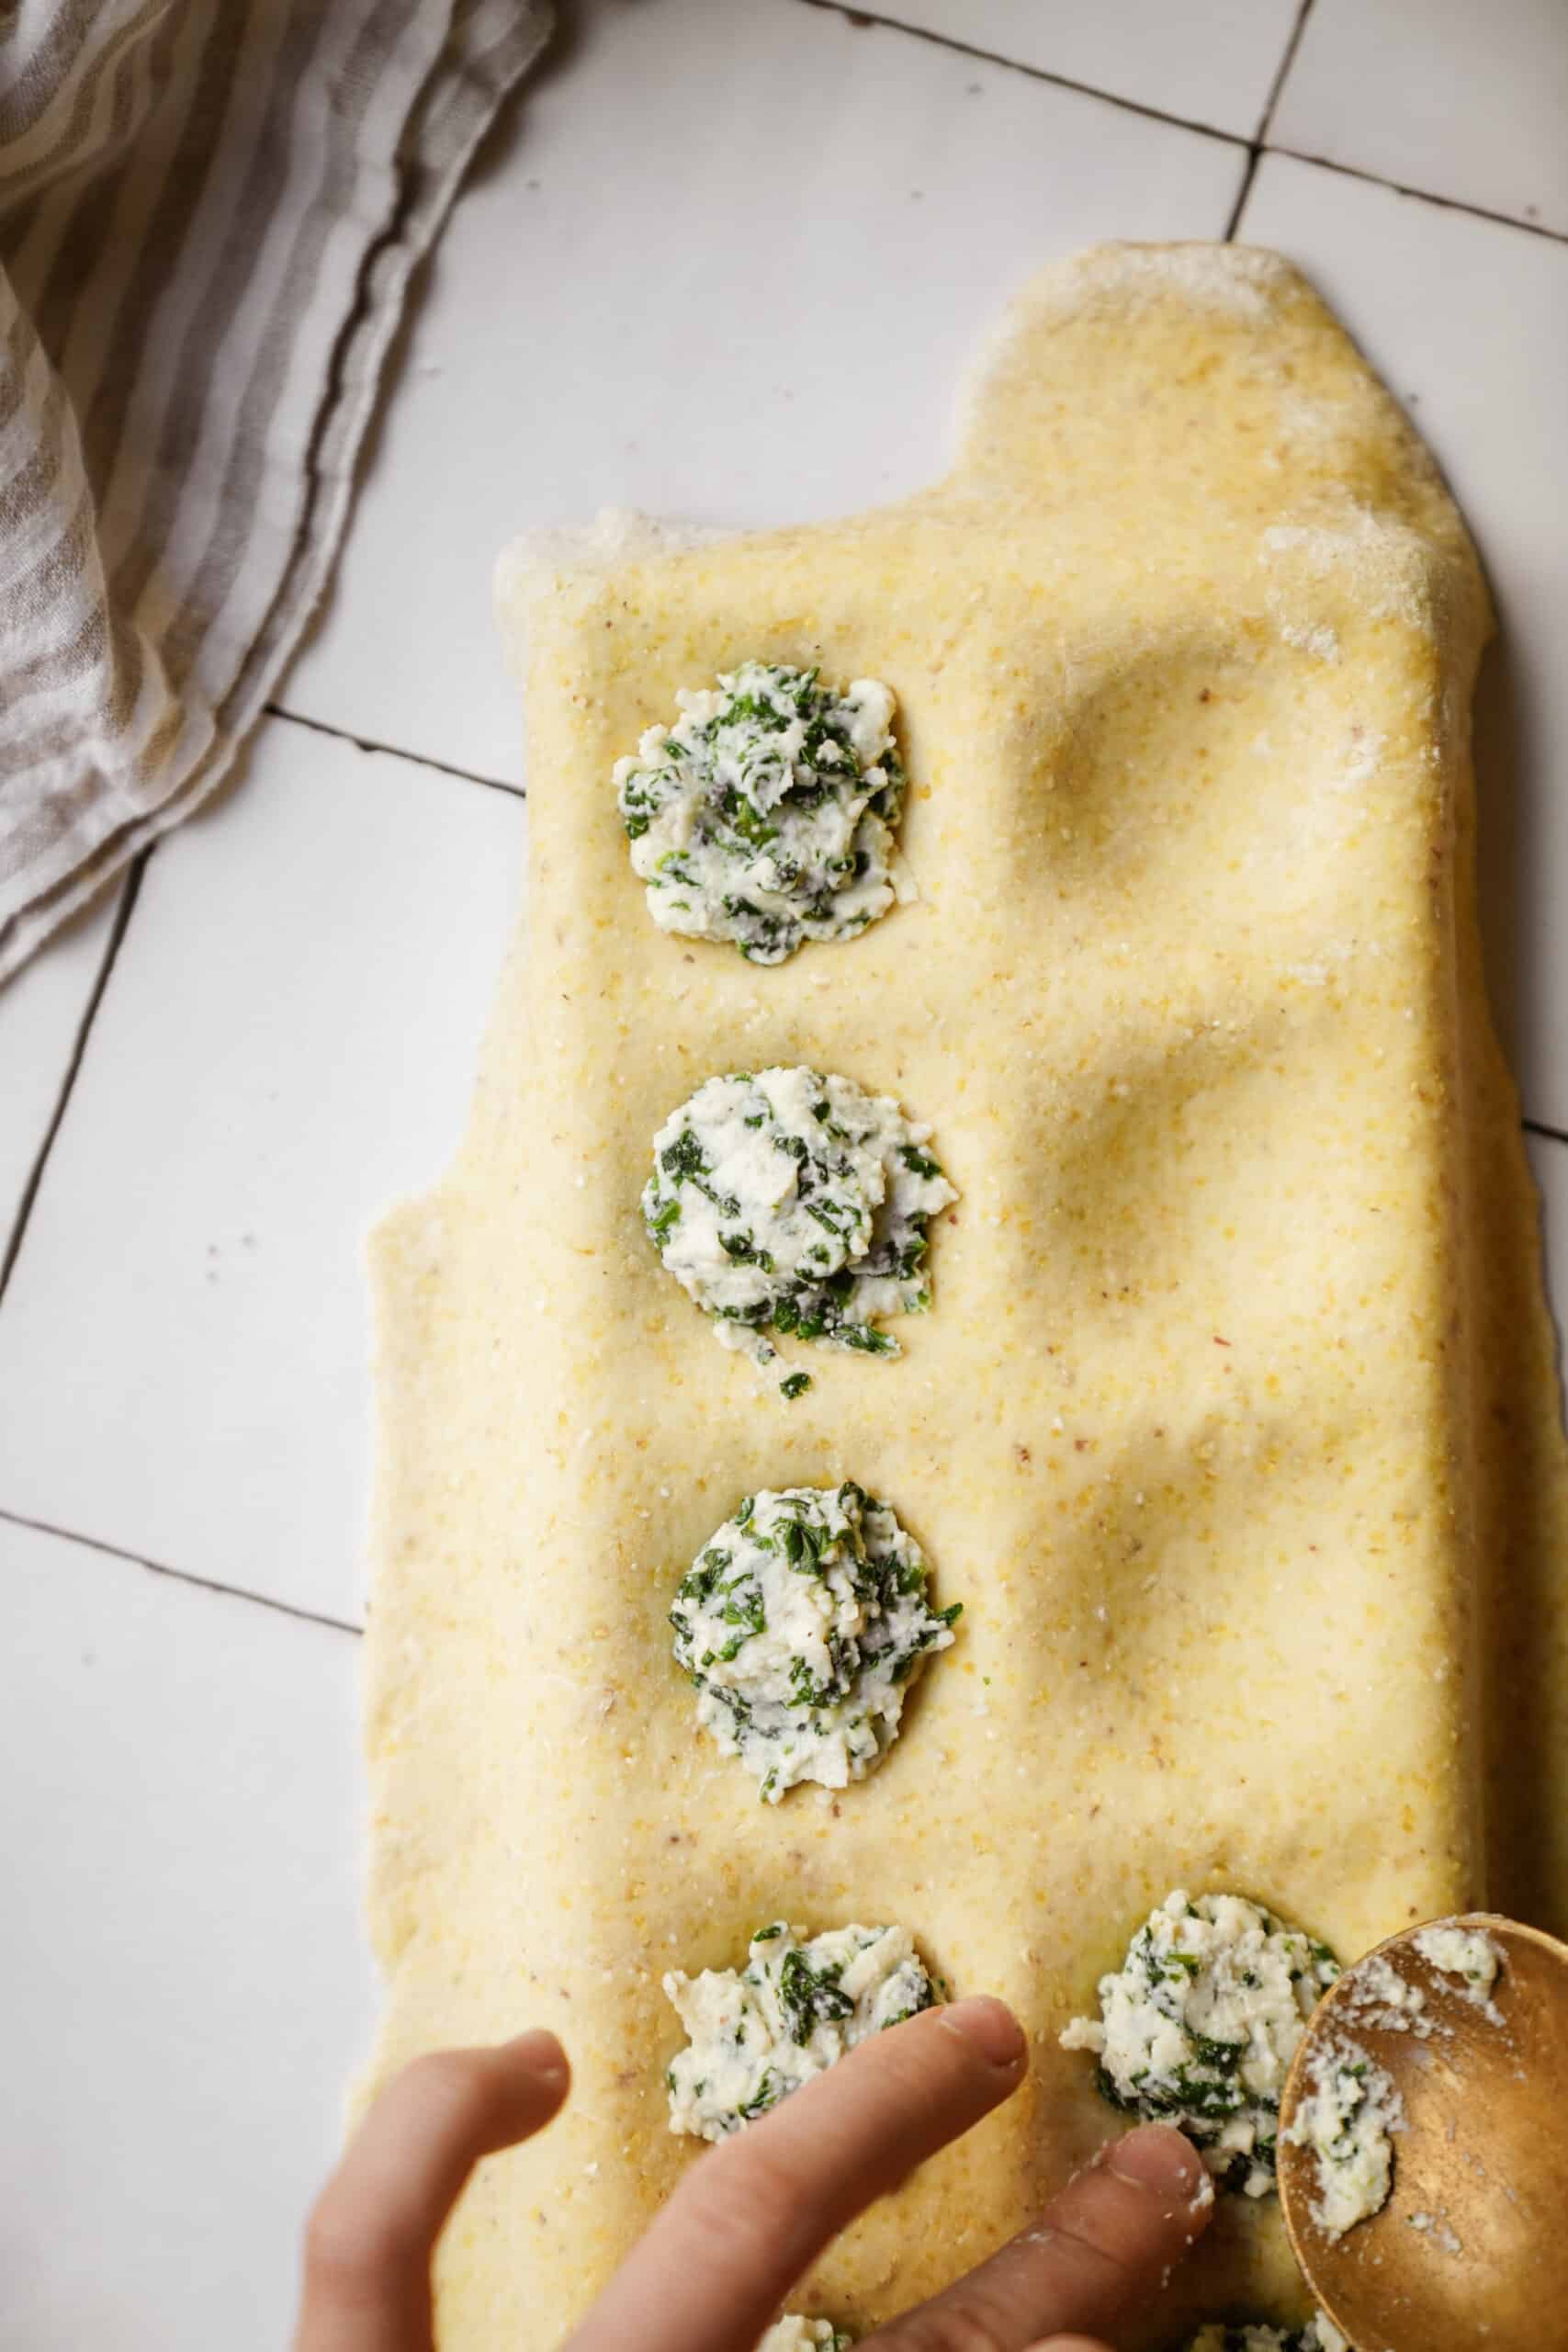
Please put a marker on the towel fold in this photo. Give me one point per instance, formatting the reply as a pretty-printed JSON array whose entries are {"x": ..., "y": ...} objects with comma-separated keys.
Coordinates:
[{"x": 209, "y": 213}]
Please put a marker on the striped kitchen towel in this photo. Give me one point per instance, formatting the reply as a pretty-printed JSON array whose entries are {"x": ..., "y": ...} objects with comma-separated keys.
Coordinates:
[{"x": 209, "y": 210}]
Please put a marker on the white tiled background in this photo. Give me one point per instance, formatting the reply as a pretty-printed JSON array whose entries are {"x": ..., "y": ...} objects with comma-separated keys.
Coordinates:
[{"x": 733, "y": 278}]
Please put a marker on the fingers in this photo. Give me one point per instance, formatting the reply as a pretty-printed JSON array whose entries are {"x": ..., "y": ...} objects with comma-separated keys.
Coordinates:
[
  {"x": 1104, "y": 2246},
  {"x": 748, "y": 2218},
  {"x": 369, "y": 2240}
]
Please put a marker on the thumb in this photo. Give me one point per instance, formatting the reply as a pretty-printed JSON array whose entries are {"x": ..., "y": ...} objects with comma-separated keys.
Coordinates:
[{"x": 1102, "y": 2248}]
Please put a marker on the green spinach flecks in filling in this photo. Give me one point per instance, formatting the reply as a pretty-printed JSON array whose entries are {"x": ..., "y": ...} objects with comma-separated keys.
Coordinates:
[
  {"x": 765, "y": 815},
  {"x": 801, "y": 2001},
  {"x": 1198, "y": 2026},
  {"x": 1319, "y": 2335},
  {"x": 789, "y": 1202},
  {"x": 793, "y": 2334},
  {"x": 801, "y": 1622}
]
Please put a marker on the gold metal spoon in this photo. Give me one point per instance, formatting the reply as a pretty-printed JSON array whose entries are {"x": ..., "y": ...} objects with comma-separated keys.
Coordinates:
[{"x": 1470, "y": 2251}]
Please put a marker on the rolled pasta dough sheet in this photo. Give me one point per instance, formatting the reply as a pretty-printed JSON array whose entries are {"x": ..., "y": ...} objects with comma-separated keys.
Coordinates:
[{"x": 1203, "y": 1426}]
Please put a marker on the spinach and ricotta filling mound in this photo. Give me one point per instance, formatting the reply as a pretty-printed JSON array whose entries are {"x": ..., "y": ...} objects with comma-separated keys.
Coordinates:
[
  {"x": 1319, "y": 2335},
  {"x": 793, "y": 2334},
  {"x": 801, "y": 2002},
  {"x": 765, "y": 815},
  {"x": 785, "y": 1201},
  {"x": 1198, "y": 2026},
  {"x": 801, "y": 1622}
]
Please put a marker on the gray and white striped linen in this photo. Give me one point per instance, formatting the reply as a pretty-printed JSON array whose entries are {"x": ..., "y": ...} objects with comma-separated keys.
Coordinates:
[{"x": 209, "y": 210}]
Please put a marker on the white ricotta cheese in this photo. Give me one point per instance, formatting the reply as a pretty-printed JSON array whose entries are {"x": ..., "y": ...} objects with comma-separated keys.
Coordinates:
[
  {"x": 1198, "y": 2026},
  {"x": 1319, "y": 2335},
  {"x": 1346, "y": 2119},
  {"x": 1469, "y": 1954},
  {"x": 801, "y": 2001},
  {"x": 789, "y": 1201},
  {"x": 793, "y": 2334},
  {"x": 1375, "y": 1993},
  {"x": 801, "y": 1622},
  {"x": 764, "y": 816}
]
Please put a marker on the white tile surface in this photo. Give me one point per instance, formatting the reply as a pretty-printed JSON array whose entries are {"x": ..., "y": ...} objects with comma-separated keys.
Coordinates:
[
  {"x": 286, "y": 1045},
  {"x": 182, "y": 1972},
  {"x": 736, "y": 281},
  {"x": 1467, "y": 321},
  {"x": 1464, "y": 101},
  {"x": 1208, "y": 61},
  {"x": 40, "y": 1016}
]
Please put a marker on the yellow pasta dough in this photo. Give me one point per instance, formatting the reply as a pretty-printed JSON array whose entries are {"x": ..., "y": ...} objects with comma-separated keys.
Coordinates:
[{"x": 1233, "y": 1421}]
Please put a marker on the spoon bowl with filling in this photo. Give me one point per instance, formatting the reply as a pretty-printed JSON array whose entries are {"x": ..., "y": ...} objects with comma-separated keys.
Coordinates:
[{"x": 1470, "y": 2245}]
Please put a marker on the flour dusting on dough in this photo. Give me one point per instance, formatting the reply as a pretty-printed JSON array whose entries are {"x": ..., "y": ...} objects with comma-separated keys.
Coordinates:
[
  {"x": 1387, "y": 566},
  {"x": 540, "y": 559},
  {"x": 1240, "y": 282},
  {"x": 1312, "y": 638}
]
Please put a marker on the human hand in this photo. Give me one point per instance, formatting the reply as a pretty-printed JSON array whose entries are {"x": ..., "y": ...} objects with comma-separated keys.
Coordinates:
[{"x": 752, "y": 2215}]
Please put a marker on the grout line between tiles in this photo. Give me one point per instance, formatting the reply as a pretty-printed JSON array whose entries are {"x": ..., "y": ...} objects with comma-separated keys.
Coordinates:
[
  {"x": 179, "y": 1576},
  {"x": 1256, "y": 148},
  {"x": 1281, "y": 75},
  {"x": 1538, "y": 1128},
  {"x": 1426, "y": 194},
  {"x": 394, "y": 751},
  {"x": 1249, "y": 173},
  {"x": 864, "y": 17},
  {"x": 1258, "y": 141},
  {"x": 128, "y": 897}
]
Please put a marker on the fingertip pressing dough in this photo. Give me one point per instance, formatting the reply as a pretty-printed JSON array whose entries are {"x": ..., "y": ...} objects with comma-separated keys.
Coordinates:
[{"x": 1232, "y": 1418}]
